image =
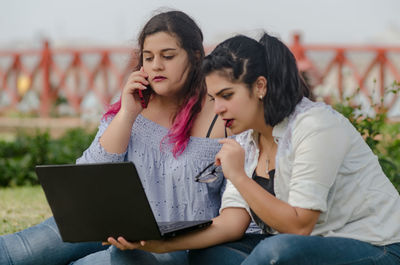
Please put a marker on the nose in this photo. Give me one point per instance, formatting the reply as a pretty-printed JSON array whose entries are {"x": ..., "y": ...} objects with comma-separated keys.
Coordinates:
[
  {"x": 219, "y": 107},
  {"x": 157, "y": 64}
]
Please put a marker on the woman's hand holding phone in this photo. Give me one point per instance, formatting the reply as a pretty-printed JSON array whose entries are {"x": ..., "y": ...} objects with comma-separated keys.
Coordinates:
[
  {"x": 116, "y": 137},
  {"x": 134, "y": 97}
]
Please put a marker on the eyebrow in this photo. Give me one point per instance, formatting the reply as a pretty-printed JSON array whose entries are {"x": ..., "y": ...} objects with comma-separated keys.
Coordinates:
[
  {"x": 223, "y": 90},
  {"x": 163, "y": 50}
]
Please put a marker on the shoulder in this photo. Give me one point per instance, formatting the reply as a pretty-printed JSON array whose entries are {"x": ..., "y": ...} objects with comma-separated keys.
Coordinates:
[
  {"x": 105, "y": 121},
  {"x": 321, "y": 125},
  {"x": 318, "y": 116},
  {"x": 204, "y": 121}
]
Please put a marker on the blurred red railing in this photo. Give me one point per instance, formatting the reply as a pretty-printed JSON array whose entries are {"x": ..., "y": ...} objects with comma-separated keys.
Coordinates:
[
  {"x": 334, "y": 72},
  {"x": 345, "y": 64},
  {"x": 76, "y": 75}
]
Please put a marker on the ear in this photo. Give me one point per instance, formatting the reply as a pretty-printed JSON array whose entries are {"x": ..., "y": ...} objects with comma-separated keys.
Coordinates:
[{"x": 260, "y": 87}]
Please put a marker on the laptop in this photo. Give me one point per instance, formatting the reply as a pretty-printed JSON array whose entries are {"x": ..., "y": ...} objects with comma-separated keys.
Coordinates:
[{"x": 91, "y": 202}]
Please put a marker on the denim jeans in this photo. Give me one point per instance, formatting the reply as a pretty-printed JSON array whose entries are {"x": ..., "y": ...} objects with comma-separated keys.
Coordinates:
[
  {"x": 317, "y": 250},
  {"x": 113, "y": 255},
  {"x": 42, "y": 244},
  {"x": 228, "y": 253}
]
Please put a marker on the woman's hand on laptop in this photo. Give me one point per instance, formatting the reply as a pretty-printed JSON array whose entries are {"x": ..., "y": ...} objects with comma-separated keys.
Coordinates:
[{"x": 156, "y": 246}]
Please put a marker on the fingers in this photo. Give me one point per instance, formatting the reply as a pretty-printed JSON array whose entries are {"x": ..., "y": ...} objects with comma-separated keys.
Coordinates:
[
  {"x": 228, "y": 144},
  {"x": 123, "y": 244},
  {"x": 220, "y": 154},
  {"x": 230, "y": 148},
  {"x": 137, "y": 81},
  {"x": 115, "y": 243}
]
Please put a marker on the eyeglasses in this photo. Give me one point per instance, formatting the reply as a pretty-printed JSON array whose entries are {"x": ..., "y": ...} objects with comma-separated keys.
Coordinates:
[{"x": 209, "y": 174}]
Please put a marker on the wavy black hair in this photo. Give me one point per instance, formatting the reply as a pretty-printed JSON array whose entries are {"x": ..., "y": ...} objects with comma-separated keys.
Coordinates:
[
  {"x": 190, "y": 38},
  {"x": 243, "y": 59}
]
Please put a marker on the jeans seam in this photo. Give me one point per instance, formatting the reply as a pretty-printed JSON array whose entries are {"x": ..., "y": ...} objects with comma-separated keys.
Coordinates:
[
  {"x": 384, "y": 252},
  {"x": 358, "y": 261},
  {"x": 374, "y": 259},
  {"x": 238, "y": 251},
  {"x": 4, "y": 247},
  {"x": 25, "y": 243},
  {"x": 394, "y": 253},
  {"x": 54, "y": 230}
]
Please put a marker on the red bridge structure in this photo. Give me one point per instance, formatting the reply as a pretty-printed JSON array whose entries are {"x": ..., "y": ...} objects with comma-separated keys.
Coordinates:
[{"x": 66, "y": 75}]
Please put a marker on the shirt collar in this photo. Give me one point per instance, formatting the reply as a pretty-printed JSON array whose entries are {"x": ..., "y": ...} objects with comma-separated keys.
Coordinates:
[
  {"x": 251, "y": 136},
  {"x": 279, "y": 129}
]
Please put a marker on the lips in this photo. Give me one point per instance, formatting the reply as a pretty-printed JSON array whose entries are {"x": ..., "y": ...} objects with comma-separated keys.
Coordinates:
[
  {"x": 159, "y": 78},
  {"x": 228, "y": 122}
]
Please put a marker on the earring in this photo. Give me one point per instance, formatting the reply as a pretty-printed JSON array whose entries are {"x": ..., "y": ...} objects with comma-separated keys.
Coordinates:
[{"x": 261, "y": 97}]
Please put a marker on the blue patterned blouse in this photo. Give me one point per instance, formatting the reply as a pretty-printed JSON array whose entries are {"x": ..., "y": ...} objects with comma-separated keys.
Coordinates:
[{"x": 168, "y": 181}]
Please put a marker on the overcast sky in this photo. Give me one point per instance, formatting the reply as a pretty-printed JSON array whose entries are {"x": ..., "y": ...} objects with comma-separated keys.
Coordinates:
[{"x": 118, "y": 21}]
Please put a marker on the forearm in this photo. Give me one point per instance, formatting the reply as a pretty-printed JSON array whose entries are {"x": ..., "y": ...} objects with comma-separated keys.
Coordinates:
[
  {"x": 229, "y": 226},
  {"x": 278, "y": 214},
  {"x": 115, "y": 138}
]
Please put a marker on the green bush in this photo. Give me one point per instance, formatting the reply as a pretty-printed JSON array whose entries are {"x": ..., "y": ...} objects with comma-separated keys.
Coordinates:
[
  {"x": 382, "y": 136},
  {"x": 20, "y": 156}
]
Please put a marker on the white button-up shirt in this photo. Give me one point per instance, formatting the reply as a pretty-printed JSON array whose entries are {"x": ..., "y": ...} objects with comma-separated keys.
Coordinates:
[{"x": 324, "y": 164}]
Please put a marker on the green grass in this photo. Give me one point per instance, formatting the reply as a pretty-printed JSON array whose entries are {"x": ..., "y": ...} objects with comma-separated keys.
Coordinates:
[{"x": 22, "y": 207}]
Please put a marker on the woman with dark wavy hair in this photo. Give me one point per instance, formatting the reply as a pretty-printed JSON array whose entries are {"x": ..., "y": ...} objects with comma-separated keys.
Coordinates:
[
  {"x": 304, "y": 173},
  {"x": 170, "y": 139}
]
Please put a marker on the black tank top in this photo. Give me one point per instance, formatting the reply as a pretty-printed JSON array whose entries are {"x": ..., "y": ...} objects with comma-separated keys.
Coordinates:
[
  {"x": 268, "y": 185},
  {"x": 212, "y": 126}
]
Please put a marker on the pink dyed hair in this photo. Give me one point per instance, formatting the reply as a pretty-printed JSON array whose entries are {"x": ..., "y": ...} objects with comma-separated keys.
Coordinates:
[
  {"x": 112, "y": 109},
  {"x": 190, "y": 37},
  {"x": 179, "y": 134}
]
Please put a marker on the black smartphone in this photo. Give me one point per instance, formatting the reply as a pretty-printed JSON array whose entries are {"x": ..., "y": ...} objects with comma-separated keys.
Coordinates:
[{"x": 145, "y": 95}]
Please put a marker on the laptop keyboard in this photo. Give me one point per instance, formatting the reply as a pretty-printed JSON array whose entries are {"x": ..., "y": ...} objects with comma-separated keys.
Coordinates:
[{"x": 168, "y": 226}]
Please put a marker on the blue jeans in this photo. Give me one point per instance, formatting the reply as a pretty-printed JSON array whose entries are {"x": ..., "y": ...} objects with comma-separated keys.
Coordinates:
[
  {"x": 228, "y": 253},
  {"x": 317, "y": 250},
  {"x": 113, "y": 255},
  {"x": 42, "y": 244}
]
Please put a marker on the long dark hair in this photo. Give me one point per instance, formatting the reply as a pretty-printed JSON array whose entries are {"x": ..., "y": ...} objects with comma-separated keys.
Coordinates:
[
  {"x": 244, "y": 59},
  {"x": 190, "y": 38}
]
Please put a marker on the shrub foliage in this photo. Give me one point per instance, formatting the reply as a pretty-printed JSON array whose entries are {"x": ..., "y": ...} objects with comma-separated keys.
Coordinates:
[
  {"x": 19, "y": 157},
  {"x": 382, "y": 135}
]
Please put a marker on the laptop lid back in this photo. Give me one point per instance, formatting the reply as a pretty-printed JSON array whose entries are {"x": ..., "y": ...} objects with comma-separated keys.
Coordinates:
[{"x": 91, "y": 202}]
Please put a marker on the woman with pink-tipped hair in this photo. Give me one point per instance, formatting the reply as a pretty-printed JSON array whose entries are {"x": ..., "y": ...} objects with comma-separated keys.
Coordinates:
[{"x": 170, "y": 139}]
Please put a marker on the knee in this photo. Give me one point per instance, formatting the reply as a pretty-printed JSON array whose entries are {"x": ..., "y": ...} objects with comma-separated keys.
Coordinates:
[
  {"x": 118, "y": 256},
  {"x": 201, "y": 256},
  {"x": 50, "y": 222},
  {"x": 4, "y": 257},
  {"x": 220, "y": 254},
  {"x": 279, "y": 249}
]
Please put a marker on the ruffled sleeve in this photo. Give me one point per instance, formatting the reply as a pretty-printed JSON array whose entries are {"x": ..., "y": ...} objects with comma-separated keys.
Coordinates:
[{"x": 96, "y": 153}]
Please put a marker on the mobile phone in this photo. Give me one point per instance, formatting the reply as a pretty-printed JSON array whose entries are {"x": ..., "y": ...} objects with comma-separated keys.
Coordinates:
[{"x": 144, "y": 96}]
